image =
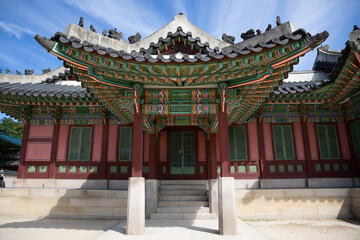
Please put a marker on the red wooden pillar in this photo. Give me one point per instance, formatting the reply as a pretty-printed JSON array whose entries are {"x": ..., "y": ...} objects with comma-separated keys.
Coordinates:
[
  {"x": 22, "y": 168},
  {"x": 54, "y": 146},
  {"x": 152, "y": 156},
  {"x": 212, "y": 156},
  {"x": 261, "y": 148},
  {"x": 306, "y": 148},
  {"x": 224, "y": 143},
  {"x": 104, "y": 150},
  {"x": 138, "y": 141}
]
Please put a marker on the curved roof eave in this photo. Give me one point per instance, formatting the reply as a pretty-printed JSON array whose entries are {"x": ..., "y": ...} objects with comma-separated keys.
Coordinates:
[{"x": 36, "y": 78}]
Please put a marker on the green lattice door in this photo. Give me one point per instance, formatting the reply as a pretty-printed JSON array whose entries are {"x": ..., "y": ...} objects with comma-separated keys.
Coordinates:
[{"x": 182, "y": 153}]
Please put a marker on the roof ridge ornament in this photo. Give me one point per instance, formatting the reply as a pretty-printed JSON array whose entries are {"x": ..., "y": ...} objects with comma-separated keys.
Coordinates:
[
  {"x": 248, "y": 34},
  {"x": 278, "y": 21},
  {"x": 135, "y": 38},
  {"x": 228, "y": 38},
  {"x": 81, "y": 22}
]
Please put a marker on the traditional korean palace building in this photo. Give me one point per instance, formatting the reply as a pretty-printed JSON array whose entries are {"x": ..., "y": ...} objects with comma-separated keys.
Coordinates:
[{"x": 181, "y": 104}]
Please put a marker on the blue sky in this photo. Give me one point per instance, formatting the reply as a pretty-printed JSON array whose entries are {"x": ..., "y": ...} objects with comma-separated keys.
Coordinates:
[{"x": 21, "y": 20}]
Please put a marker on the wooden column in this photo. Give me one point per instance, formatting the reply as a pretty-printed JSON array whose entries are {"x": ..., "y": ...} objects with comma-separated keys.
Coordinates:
[
  {"x": 22, "y": 167},
  {"x": 104, "y": 150},
  {"x": 261, "y": 148},
  {"x": 152, "y": 156},
  {"x": 54, "y": 146},
  {"x": 212, "y": 156},
  {"x": 224, "y": 143},
  {"x": 306, "y": 148},
  {"x": 138, "y": 141}
]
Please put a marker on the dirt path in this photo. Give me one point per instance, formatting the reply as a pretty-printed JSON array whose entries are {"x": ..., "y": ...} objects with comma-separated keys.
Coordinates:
[{"x": 301, "y": 229}]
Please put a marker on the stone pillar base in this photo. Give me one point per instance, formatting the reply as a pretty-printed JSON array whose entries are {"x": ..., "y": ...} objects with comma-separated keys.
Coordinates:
[
  {"x": 151, "y": 197},
  {"x": 136, "y": 206},
  {"x": 213, "y": 196},
  {"x": 227, "y": 207}
]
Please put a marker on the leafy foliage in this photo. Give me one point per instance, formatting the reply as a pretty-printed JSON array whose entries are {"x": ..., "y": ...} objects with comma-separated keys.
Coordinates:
[{"x": 11, "y": 127}]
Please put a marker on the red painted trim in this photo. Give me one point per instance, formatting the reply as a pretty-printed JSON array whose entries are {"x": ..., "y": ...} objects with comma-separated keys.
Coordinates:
[
  {"x": 224, "y": 144},
  {"x": 201, "y": 146},
  {"x": 138, "y": 141},
  {"x": 113, "y": 143},
  {"x": 163, "y": 146},
  {"x": 62, "y": 143},
  {"x": 268, "y": 142},
  {"x": 299, "y": 141},
  {"x": 344, "y": 143},
  {"x": 314, "y": 150},
  {"x": 41, "y": 131},
  {"x": 279, "y": 64},
  {"x": 54, "y": 146},
  {"x": 22, "y": 167}
]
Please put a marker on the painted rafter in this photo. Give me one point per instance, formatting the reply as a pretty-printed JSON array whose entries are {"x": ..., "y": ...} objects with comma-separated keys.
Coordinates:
[{"x": 213, "y": 72}]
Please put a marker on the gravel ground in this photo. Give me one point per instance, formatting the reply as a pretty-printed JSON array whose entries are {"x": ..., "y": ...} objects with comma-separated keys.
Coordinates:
[
  {"x": 301, "y": 229},
  {"x": 18, "y": 228}
]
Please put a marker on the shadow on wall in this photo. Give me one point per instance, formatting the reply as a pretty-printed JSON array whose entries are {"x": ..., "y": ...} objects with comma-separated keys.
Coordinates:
[
  {"x": 66, "y": 199},
  {"x": 88, "y": 206},
  {"x": 294, "y": 203}
]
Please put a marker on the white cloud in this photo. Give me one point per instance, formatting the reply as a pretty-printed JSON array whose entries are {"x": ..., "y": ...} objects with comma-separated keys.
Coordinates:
[
  {"x": 7, "y": 59},
  {"x": 14, "y": 29},
  {"x": 128, "y": 16}
]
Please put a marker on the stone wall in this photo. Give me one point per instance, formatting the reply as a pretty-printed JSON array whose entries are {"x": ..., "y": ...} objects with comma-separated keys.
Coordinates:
[
  {"x": 67, "y": 203},
  {"x": 355, "y": 197},
  {"x": 295, "y": 203}
]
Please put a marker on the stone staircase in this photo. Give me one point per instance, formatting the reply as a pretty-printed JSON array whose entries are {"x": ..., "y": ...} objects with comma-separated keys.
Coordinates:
[{"x": 183, "y": 200}]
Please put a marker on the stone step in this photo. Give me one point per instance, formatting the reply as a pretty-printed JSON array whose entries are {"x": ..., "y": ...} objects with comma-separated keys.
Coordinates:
[
  {"x": 183, "y": 198},
  {"x": 183, "y": 187},
  {"x": 183, "y": 210},
  {"x": 182, "y": 216},
  {"x": 182, "y": 192},
  {"x": 183, "y": 182},
  {"x": 183, "y": 204}
]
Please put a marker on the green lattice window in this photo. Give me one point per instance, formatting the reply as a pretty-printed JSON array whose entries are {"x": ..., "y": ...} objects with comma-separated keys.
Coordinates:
[
  {"x": 80, "y": 144},
  {"x": 328, "y": 143},
  {"x": 355, "y": 132},
  {"x": 125, "y": 144},
  {"x": 237, "y": 142},
  {"x": 283, "y": 142}
]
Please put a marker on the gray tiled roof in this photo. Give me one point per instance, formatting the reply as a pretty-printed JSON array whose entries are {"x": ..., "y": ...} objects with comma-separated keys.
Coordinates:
[
  {"x": 216, "y": 53},
  {"x": 300, "y": 87},
  {"x": 43, "y": 89}
]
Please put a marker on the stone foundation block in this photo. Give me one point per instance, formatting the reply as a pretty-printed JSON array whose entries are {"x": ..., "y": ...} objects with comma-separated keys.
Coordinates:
[
  {"x": 227, "y": 206},
  {"x": 136, "y": 206},
  {"x": 151, "y": 191},
  {"x": 213, "y": 196}
]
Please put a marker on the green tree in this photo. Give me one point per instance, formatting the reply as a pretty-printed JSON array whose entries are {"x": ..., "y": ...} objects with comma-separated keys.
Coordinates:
[{"x": 11, "y": 127}]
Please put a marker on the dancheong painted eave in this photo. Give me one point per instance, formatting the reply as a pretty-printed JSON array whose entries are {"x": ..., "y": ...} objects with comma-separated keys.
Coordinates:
[{"x": 248, "y": 71}]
